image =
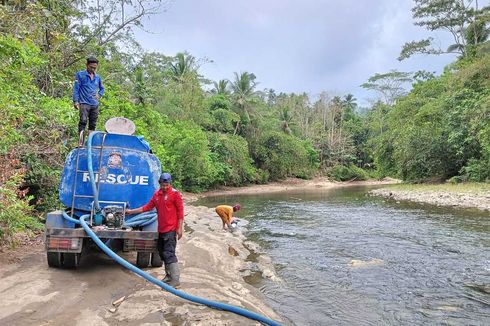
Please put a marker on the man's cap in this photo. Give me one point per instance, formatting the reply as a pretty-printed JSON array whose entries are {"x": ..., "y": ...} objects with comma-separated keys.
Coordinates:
[
  {"x": 165, "y": 177},
  {"x": 92, "y": 59},
  {"x": 236, "y": 207}
]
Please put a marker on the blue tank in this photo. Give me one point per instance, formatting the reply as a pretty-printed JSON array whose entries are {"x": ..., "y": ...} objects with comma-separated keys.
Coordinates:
[{"x": 124, "y": 168}]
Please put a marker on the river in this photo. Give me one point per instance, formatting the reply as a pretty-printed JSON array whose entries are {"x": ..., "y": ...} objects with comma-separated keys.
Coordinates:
[{"x": 346, "y": 258}]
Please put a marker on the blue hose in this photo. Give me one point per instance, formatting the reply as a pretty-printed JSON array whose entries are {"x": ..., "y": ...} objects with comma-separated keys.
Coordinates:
[
  {"x": 183, "y": 295},
  {"x": 141, "y": 220},
  {"x": 91, "y": 170}
]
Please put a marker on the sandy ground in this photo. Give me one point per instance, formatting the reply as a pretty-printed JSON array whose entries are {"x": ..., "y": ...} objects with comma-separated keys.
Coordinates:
[
  {"x": 480, "y": 200},
  {"x": 291, "y": 184},
  {"x": 213, "y": 264}
]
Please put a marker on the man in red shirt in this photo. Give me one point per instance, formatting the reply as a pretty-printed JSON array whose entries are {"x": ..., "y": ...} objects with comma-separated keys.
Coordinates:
[{"x": 170, "y": 210}]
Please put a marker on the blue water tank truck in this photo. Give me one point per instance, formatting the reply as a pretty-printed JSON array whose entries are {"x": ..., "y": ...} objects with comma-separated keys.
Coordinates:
[
  {"x": 101, "y": 179},
  {"x": 113, "y": 171}
]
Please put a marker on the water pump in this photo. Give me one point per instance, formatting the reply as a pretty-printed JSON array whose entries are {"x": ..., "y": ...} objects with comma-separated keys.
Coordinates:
[{"x": 114, "y": 216}]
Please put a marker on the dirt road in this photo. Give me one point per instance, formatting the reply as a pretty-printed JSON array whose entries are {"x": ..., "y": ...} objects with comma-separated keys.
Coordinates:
[{"x": 213, "y": 264}]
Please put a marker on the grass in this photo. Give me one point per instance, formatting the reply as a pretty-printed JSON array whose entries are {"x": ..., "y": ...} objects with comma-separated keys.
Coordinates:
[{"x": 444, "y": 187}]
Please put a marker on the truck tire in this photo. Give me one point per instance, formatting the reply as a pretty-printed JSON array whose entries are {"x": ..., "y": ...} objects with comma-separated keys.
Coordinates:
[
  {"x": 156, "y": 261},
  {"x": 70, "y": 260},
  {"x": 142, "y": 259},
  {"x": 54, "y": 259}
]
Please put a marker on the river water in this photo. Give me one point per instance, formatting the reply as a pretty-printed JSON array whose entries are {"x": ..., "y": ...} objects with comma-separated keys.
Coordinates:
[{"x": 346, "y": 258}]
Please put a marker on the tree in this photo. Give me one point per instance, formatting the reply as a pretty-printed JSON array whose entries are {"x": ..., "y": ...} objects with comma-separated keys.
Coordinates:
[
  {"x": 221, "y": 87},
  {"x": 68, "y": 31},
  {"x": 183, "y": 66},
  {"x": 463, "y": 19},
  {"x": 243, "y": 89},
  {"x": 389, "y": 86}
]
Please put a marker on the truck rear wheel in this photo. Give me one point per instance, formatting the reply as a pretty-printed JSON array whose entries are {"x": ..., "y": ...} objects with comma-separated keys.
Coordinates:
[
  {"x": 70, "y": 260},
  {"x": 54, "y": 259},
  {"x": 156, "y": 261},
  {"x": 142, "y": 259}
]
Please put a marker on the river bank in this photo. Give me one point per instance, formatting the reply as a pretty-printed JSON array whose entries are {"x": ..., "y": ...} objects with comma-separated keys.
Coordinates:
[
  {"x": 319, "y": 183},
  {"x": 457, "y": 195},
  {"x": 213, "y": 266}
]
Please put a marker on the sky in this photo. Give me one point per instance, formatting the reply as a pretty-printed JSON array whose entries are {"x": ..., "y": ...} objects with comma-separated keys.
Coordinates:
[{"x": 294, "y": 46}]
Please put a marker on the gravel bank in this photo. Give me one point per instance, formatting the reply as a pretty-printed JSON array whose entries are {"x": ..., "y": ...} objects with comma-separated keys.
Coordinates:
[{"x": 480, "y": 200}]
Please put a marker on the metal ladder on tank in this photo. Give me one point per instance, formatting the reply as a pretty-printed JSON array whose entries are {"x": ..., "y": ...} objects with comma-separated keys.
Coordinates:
[{"x": 77, "y": 171}]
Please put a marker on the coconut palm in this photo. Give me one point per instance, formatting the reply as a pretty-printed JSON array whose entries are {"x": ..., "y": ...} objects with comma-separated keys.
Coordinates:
[
  {"x": 221, "y": 87},
  {"x": 183, "y": 65},
  {"x": 243, "y": 87}
]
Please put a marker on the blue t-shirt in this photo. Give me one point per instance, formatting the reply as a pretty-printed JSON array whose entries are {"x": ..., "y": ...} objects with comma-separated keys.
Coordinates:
[{"x": 85, "y": 89}]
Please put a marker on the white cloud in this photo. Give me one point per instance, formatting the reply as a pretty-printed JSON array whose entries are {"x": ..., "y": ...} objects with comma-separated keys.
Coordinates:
[{"x": 292, "y": 45}]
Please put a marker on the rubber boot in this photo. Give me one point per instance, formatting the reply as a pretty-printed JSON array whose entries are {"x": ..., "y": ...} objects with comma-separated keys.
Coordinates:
[
  {"x": 173, "y": 268},
  {"x": 167, "y": 277}
]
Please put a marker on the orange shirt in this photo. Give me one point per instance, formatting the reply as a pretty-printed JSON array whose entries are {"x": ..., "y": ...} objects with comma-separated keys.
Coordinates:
[{"x": 225, "y": 212}]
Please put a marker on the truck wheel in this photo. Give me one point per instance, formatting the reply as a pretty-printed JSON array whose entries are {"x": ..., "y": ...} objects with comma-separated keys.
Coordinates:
[
  {"x": 54, "y": 259},
  {"x": 156, "y": 261},
  {"x": 71, "y": 260},
  {"x": 143, "y": 259}
]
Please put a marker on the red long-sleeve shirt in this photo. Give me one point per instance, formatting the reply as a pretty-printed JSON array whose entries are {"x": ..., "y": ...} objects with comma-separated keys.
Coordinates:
[{"x": 170, "y": 209}]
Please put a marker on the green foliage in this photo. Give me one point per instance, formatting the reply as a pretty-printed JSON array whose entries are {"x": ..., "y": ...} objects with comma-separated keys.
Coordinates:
[
  {"x": 284, "y": 156},
  {"x": 477, "y": 170},
  {"x": 390, "y": 85},
  {"x": 35, "y": 129},
  {"x": 232, "y": 155},
  {"x": 463, "y": 19},
  {"x": 441, "y": 128},
  {"x": 16, "y": 214},
  {"x": 347, "y": 173},
  {"x": 188, "y": 157},
  {"x": 222, "y": 117},
  {"x": 16, "y": 89},
  {"x": 224, "y": 120}
]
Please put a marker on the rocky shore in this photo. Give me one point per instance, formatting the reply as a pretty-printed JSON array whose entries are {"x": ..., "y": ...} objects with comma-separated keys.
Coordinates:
[{"x": 453, "y": 198}]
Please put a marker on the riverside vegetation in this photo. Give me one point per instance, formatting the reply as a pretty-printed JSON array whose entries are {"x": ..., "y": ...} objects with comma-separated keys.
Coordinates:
[{"x": 421, "y": 127}]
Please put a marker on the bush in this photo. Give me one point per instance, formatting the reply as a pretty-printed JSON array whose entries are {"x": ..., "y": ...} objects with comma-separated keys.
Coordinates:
[
  {"x": 232, "y": 154},
  {"x": 347, "y": 173},
  {"x": 283, "y": 155},
  {"x": 16, "y": 214},
  {"x": 477, "y": 170},
  {"x": 187, "y": 156}
]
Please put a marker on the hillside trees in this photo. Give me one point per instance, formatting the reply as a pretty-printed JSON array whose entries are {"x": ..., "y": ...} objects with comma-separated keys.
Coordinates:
[
  {"x": 68, "y": 32},
  {"x": 464, "y": 20},
  {"x": 440, "y": 129}
]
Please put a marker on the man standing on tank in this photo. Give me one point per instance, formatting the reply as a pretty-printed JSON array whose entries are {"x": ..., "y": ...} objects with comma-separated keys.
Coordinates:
[{"x": 87, "y": 91}]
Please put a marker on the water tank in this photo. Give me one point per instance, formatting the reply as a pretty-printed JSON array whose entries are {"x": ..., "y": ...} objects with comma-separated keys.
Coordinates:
[{"x": 125, "y": 171}]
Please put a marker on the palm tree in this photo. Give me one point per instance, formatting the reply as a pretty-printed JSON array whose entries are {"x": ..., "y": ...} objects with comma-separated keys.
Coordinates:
[
  {"x": 184, "y": 64},
  {"x": 243, "y": 87},
  {"x": 221, "y": 87}
]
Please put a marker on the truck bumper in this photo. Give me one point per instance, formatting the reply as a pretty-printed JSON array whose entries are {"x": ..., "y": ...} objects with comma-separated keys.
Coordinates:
[{"x": 71, "y": 240}]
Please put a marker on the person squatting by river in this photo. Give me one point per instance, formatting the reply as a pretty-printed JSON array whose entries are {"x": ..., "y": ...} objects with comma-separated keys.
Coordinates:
[
  {"x": 225, "y": 212},
  {"x": 170, "y": 210},
  {"x": 87, "y": 91}
]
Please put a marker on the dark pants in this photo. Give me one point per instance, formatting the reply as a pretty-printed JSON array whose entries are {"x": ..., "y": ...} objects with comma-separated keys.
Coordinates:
[
  {"x": 167, "y": 242},
  {"x": 90, "y": 113}
]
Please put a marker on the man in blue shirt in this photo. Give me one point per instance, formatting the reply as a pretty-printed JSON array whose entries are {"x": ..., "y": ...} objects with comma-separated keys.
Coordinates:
[{"x": 87, "y": 91}]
